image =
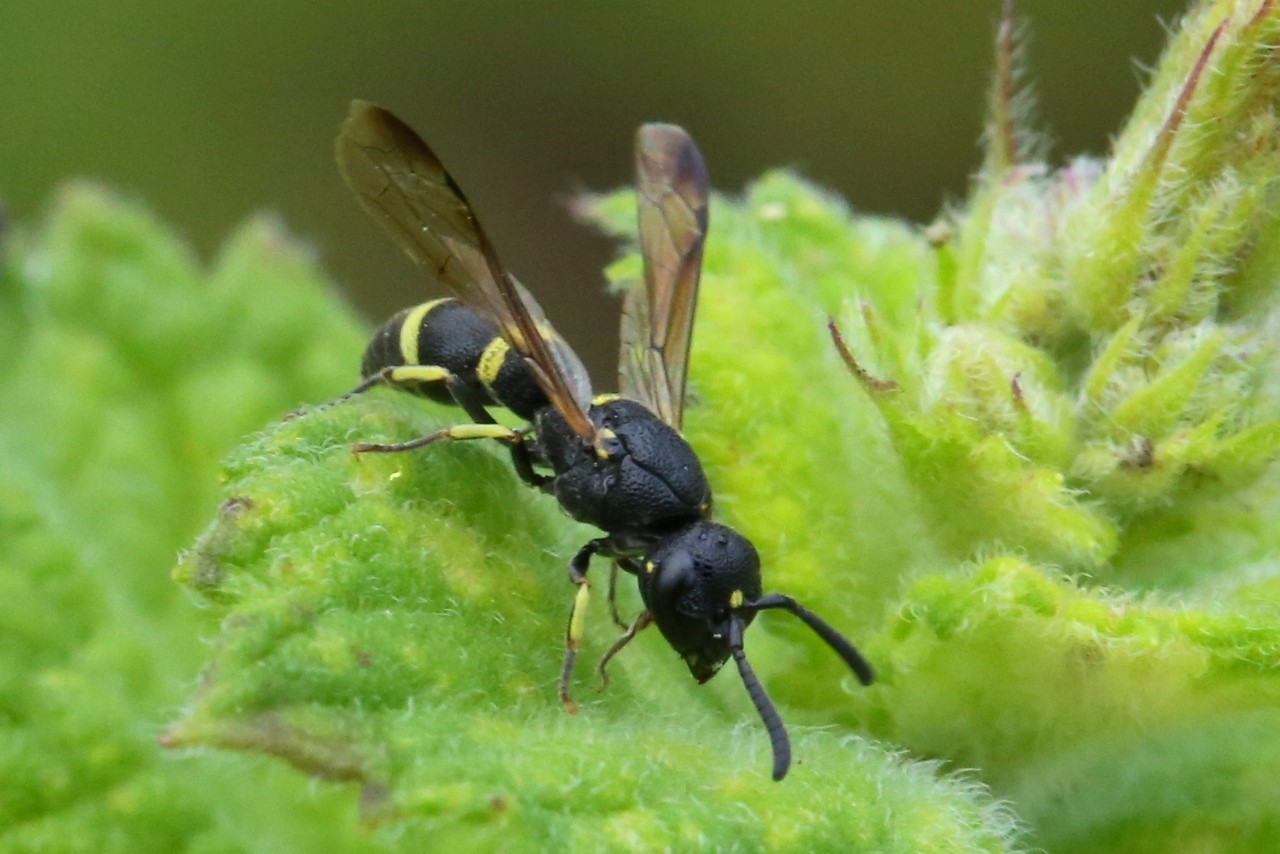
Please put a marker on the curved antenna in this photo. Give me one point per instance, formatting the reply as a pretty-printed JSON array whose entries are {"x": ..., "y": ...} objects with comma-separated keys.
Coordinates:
[
  {"x": 778, "y": 737},
  {"x": 846, "y": 650}
]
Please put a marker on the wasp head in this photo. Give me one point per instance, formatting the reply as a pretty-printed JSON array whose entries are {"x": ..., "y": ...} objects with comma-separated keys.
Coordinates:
[{"x": 693, "y": 582}]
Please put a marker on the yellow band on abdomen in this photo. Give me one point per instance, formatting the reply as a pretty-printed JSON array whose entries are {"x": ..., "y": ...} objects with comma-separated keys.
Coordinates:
[
  {"x": 409, "y": 330},
  {"x": 495, "y": 353}
]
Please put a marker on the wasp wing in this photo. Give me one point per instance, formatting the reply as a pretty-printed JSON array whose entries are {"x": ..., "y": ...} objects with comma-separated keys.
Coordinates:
[
  {"x": 657, "y": 324},
  {"x": 403, "y": 185}
]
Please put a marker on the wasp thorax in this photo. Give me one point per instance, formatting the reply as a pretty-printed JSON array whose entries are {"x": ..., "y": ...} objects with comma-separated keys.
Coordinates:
[{"x": 648, "y": 477}]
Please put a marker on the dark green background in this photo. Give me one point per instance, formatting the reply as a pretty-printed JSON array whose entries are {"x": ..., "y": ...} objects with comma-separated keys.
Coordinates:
[{"x": 212, "y": 111}]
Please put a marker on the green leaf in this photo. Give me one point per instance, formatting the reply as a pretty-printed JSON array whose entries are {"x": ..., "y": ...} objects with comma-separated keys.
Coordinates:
[
  {"x": 123, "y": 367},
  {"x": 398, "y": 620},
  {"x": 1039, "y": 495}
]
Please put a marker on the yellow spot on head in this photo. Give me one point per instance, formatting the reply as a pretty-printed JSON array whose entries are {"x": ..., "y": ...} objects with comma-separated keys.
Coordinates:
[
  {"x": 602, "y": 399},
  {"x": 736, "y": 599},
  {"x": 649, "y": 567}
]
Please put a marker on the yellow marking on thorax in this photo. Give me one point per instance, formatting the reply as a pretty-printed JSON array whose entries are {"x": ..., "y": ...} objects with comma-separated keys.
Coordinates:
[
  {"x": 409, "y": 330},
  {"x": 736, "y": 599},
  {"x": 604, "y": 434},
  {"x": 495, "y": 353},
  {"x": 602, "y": 399}
]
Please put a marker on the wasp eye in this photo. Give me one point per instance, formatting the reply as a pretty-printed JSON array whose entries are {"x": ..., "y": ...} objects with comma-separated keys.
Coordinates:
[{"x": 675, "y": 574}]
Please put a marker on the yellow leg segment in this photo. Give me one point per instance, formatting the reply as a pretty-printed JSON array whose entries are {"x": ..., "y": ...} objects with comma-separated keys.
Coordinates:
[
  {"x": 573, "y": 639},
  {"x": 464, "y": 432},
  {"x": 398, "y": 375},
  {"x": 460, "y": 433},
  {"x": 415, "y": 374}
]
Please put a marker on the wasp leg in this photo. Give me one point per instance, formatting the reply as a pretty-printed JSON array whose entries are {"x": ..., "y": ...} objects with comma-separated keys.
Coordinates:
[
  {"x": 626, "y": 564},
  {"x": 612, "y": 596},
  {"x": 577, "y": 615},
  {"x": 392, "y": 375},
  {"x": 467, "y": 400},
  {"x": 520, "y": 458},
  {"x": 460, "y": 433},
  {"x": 399, "y": 375},
  {"x": 522, "y": 462},
  {"x": 642, "y": 622}
]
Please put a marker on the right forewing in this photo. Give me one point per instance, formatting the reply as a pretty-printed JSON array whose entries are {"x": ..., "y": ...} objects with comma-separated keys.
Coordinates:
[
  {"x": 657, "y": 324},
  {"x": 404, "y": 186}
]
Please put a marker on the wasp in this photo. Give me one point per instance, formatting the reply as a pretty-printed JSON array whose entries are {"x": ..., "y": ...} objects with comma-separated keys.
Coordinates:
[{"x": 617, "y": 462}]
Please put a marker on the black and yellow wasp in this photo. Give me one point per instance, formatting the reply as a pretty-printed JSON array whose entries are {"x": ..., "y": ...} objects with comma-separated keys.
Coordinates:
[{"x": 617, "y": 462}]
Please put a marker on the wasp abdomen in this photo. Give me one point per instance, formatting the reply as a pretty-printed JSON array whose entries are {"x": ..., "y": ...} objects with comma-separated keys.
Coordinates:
[
  {"x": 507, "y": 379},
  {"x": 446, "y": 334},
  {"x": 384, "y": 350},
  {"x": 442, "y": 334}
]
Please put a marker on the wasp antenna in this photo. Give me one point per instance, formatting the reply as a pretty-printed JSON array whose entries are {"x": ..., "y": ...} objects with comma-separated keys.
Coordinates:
[
  {"x": 778, "y": 738},
  {"x": 846, "y": 650}
]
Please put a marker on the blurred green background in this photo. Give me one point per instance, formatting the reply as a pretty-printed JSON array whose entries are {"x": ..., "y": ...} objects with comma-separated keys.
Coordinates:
[{"x": 213, "y": 111}]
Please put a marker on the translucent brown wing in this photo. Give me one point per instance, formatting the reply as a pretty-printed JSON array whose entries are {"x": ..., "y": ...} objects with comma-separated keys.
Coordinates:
[
  {"x": 403, "y": 185},
  {"x": 657, "y": 324}
]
